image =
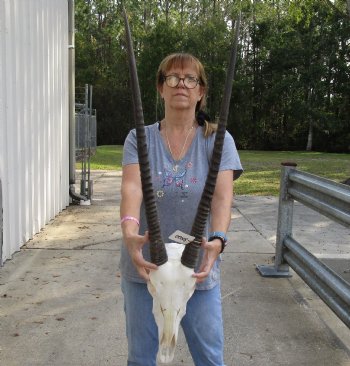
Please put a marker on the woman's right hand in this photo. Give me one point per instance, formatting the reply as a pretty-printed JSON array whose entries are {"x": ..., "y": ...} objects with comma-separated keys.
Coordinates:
[{"x": 134, "y": 244}]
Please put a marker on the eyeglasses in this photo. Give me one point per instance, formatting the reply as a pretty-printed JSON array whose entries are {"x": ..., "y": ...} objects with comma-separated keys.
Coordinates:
[{"x": 173, "y": 81}]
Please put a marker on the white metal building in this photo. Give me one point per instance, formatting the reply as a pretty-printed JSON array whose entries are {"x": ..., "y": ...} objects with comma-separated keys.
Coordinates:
[{"x": 34, "y": 118}]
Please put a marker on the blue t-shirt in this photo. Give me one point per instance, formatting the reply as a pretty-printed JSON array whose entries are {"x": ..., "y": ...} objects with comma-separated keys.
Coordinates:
[{"x": 177, "y": 192}]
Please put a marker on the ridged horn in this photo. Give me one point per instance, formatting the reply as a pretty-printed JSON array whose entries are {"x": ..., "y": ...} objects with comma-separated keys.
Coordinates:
[
  {"x": 191, "y": 252},
  {"x": 157, "y": 246}
]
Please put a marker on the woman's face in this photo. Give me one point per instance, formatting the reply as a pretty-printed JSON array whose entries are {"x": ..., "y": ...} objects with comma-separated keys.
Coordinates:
[{"x": 181, "y": 97}]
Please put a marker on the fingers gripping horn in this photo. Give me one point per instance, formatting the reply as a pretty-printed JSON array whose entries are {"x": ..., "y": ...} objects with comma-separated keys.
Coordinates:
[
  {"x": 191, "y": 253},
  {"x": 157, "y": 246}
]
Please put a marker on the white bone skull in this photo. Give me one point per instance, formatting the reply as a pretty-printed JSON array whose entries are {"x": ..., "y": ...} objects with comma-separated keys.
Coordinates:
[{"x": 171, "y": 286}]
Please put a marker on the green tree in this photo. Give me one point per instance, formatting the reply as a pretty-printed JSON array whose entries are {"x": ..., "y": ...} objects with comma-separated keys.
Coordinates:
[{"x": 292, "y": 78}]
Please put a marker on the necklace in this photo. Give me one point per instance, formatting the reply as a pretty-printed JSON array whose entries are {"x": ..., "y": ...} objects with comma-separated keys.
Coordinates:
[{"x": 176, "y": 166}]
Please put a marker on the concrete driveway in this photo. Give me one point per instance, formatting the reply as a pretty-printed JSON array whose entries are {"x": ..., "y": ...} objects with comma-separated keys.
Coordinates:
[{"x": 61, "y": 305}]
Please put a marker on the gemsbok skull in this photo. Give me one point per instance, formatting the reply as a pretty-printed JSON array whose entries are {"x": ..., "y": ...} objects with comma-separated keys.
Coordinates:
[{"x": 172, "y": 284}]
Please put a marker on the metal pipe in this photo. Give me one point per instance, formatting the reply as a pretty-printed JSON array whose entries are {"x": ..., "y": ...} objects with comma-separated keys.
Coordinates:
[
  {"x": 335, "y": 303},
  {"x": 319, "y": 269},
  {"x": 71, "y": 103},
  {"x": 325, "y": 208},
  {"x": 86, "y": 126},
  {"x": 89, "y": 139},
  {"x": 325, "y": 186},
  {"x": 76, "y": 196}
]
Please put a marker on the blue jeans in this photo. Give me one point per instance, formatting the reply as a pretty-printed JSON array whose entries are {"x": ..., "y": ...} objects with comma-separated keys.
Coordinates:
[{"x": 202, "y": 326}]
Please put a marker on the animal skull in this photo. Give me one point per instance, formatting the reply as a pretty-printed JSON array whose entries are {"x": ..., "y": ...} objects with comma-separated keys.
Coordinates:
[{"x": 171, "y": 286}]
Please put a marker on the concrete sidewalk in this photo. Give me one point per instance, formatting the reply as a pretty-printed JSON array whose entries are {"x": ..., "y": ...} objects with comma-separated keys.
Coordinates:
[{"x": 61, "y": 305}]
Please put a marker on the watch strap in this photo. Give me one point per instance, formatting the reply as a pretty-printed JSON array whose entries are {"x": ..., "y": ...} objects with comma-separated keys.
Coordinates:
[{"x": 221, "y": 236}]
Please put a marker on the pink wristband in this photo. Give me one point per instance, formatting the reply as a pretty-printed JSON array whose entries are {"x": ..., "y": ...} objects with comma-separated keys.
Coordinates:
[{"x": 131, "y": 218}]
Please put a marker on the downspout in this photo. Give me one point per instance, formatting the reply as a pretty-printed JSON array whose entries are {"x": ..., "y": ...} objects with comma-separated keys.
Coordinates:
[{"x": 71, "y": 76}]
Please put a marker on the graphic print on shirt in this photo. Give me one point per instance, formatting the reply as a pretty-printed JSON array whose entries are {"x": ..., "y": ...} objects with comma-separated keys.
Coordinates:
[
  {"x": 168, "y": 178},
  {"x": 171, "y": 177}
]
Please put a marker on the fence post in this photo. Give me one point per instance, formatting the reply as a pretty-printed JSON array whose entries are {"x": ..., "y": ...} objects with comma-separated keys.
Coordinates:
[{"x": 284, "y": 226}]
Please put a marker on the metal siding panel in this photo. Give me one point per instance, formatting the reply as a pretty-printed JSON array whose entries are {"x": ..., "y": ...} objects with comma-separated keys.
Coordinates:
[
  {"x": 33, "y": 116},
  {"x": 7, "y": 238},
  {"x": 64, "y": 115},
  {"x": 7, "y": 65},
  {"x": 58, "y": 122},
  {"x": 56, "y": 127},
  {"x": 59, "y": 110},
  {"x": 60, "y": 61},
  {"x": 44, "y": 55},
  {"x": 36, "y": 108},
  {"x": 52, "y": 110},
  {"x": 39, "y": 107},
  {"x": 16, "y": 174},
  {"x": 65, "y": 106},
  {"x": 18, "y": 120},
  {"x": 48, "y": 138},
  {"x": 3, "y": 127},
  {"x": 30, "y": 96},
  {"x": 21, "y": 119},
  {"x": 13, "y": 148},
  {"x": 27, "y": 146}
]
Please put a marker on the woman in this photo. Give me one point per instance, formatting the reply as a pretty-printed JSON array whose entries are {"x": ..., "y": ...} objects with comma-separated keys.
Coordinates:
[{"x": 179, "y": 148}]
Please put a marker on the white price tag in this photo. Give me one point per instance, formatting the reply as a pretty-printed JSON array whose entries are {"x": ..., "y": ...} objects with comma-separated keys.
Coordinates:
[{"x": 179, "y": 237}]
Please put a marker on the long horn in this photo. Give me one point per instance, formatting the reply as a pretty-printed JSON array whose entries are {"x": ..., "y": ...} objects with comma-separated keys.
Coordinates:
[
  {"x": 157, "y": 246},
  {"x": 191, "y": 252}
]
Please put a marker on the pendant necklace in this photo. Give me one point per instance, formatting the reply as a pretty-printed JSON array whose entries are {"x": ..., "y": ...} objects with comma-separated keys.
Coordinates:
[{"x": 176, "y": 165}]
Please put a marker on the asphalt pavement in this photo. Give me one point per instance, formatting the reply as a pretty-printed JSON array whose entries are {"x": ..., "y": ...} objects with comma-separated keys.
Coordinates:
[{"x": 61, "y": 304}]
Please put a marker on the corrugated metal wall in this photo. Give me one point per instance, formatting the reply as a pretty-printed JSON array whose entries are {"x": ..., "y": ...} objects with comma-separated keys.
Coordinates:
[{"x": 34, "y": 118}]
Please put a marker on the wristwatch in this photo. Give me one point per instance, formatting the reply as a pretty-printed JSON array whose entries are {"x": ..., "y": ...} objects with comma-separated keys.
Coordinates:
[{"x": 221, "y": 236}]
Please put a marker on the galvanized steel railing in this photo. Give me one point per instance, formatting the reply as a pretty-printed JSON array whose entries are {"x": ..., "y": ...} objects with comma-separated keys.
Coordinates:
[{"x": 329, "y": 198}]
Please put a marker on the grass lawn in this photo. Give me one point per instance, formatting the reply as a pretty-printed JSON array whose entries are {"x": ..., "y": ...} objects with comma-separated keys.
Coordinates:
[{"x": 261, "y": 168}]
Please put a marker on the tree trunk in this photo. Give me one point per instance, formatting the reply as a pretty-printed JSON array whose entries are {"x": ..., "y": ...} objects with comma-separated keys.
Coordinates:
[
  {"x": 167, "y": 11},
  {"x": 309, "y": 137},
  {"x": 308, "y": 103}
]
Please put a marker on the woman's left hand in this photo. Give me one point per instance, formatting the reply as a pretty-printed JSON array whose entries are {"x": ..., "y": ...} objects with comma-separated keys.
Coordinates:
[{"x": 211, "y": 250}]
